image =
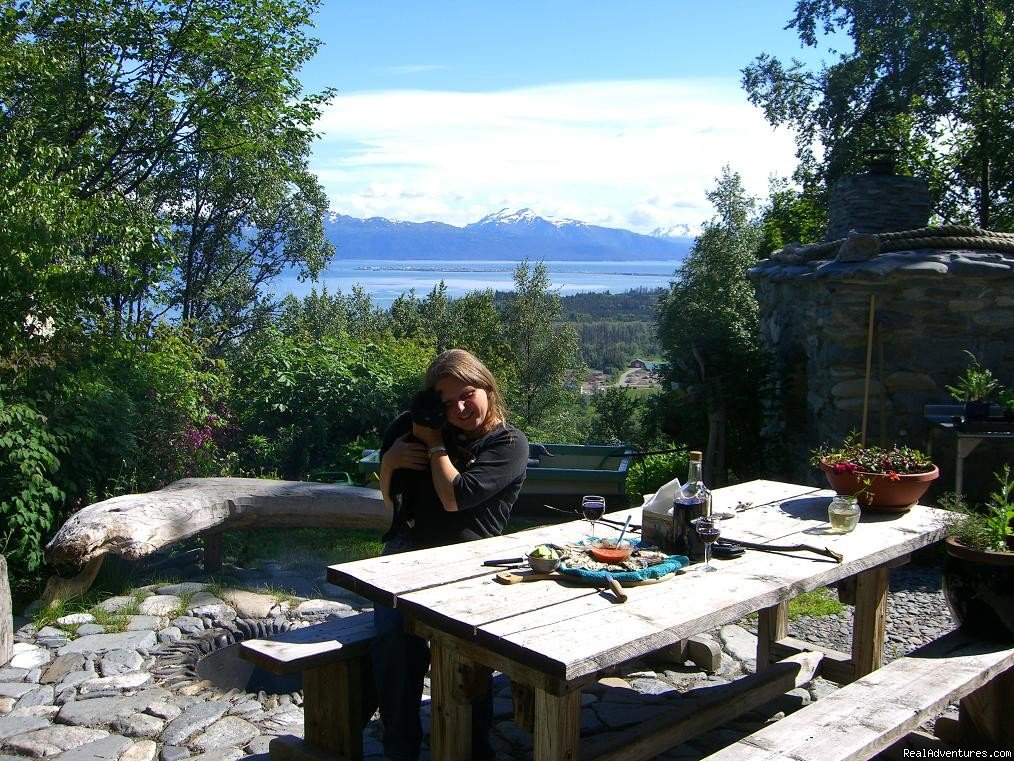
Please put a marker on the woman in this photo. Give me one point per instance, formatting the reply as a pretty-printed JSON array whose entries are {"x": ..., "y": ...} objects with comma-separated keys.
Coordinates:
[{"x": 476, "y": 463}]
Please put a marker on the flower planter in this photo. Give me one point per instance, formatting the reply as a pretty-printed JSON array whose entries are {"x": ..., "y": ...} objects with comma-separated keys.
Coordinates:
[
  {"x": 979, "y": 589},
  {"x": 977, "y": 411},
  {"x": 883, "y": 493}
]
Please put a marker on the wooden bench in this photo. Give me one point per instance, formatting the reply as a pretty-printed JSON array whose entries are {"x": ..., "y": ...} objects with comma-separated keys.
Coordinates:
[
  {"x": 873, "y": 713},
  {"x": 338, "y": 693},
  {"x": 136, "y": 525}
]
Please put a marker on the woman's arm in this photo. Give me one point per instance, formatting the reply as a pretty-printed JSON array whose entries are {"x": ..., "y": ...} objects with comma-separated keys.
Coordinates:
[
  {"x": 442, "y": 469},
  {"x": 401, "y": 454}
]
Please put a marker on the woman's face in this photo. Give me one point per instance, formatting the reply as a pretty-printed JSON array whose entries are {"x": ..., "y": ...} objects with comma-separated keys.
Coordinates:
[{"x": 467, "y": 406}]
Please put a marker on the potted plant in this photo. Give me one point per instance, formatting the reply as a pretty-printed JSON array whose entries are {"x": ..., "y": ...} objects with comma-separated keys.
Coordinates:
[
  {"x": 975, "y": 388},
  {"x": 1007, "y": 400},
  {"x": 978, "y": 578},
  {"x": 887, "y": 479}
]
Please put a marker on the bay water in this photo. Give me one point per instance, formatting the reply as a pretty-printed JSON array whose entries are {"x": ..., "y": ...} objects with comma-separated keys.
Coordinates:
[{"x": 386, "y": 280}]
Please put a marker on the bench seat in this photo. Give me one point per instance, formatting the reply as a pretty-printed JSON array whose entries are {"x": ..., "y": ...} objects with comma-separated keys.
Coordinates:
[
  {"x": 869, "y": 715},
  {"x": 338, "y": 693}
]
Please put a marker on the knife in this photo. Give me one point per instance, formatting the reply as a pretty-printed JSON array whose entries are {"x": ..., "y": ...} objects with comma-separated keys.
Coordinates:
[
  {"x": 504, "y": 561},
  {"x": 614, "y": 585}
]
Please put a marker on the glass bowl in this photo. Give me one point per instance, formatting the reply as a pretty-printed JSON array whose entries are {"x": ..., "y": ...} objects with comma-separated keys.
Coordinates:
[{"x": 608, "y": 551}]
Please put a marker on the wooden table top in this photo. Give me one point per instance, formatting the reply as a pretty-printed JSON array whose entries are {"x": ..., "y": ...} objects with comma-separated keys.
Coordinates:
[{"x": 571, "y": 632}]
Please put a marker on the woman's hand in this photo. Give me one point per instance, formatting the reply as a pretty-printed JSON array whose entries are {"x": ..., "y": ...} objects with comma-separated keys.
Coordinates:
[
  {"x": 406, "y": 454},
  {"x": 431, "y": 437}
]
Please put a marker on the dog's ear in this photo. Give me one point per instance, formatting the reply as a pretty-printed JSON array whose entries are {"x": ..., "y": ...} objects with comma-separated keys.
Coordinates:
[{"x": 428, "y": 409}]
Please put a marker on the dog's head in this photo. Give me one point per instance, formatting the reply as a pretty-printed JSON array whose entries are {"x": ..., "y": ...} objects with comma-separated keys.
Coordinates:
[{"x": 428, "y": 409}]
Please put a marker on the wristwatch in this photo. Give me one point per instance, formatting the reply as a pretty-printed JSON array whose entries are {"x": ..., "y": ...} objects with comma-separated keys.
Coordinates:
[{"x": 437, "y": 449}]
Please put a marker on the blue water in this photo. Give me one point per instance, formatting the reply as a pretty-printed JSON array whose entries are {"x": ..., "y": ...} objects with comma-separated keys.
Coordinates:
[{"x": 385, "y": 281}]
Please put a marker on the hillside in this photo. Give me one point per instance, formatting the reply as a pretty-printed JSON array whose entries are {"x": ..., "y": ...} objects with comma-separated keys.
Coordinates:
[{"x": 510, "y": 235}]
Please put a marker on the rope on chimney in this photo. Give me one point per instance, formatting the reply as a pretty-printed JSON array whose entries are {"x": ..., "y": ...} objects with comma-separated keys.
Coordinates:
[{"x": 944, "y": 236}]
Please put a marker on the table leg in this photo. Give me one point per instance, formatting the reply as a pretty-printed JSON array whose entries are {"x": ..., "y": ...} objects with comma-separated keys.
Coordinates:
[
  {"x": 451, "y": 711},
  {"x": 965, "y": 446},
  {"x": 772, "y": 625},
  {"x": 557, "y": 733},
  {"x": 868, "y": 627}
]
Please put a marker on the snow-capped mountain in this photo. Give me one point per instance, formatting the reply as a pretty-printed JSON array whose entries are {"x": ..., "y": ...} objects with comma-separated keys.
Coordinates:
[
  {"x": 506, "y": 234},
  {"x": 672, "y": 231}
]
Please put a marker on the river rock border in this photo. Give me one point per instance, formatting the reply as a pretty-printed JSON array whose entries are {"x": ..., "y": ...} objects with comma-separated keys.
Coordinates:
[{"x": 75, "y": 690}]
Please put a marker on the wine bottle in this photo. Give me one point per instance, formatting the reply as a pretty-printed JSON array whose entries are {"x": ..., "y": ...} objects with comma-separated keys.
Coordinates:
[{"x": 692, "y": 501}]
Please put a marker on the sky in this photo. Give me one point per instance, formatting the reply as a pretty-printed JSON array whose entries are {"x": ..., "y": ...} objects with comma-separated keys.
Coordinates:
[{"x": 616, "y": 114}]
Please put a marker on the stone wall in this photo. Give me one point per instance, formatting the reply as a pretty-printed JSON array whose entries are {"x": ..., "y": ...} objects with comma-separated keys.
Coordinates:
[{"x": 931, "y": 305}]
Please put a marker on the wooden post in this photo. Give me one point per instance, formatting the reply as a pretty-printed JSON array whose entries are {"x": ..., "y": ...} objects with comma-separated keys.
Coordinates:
[
  {"x": 557, "y": 726},
  {"x": 6, "y": 616},
  {"x": 772, "y": 625},
  {"x": 451, "y": 713},
  {"x": 870, "y": 618},
  {"x": 984, "y": 715},
  {"x": 869, "y": 366}
]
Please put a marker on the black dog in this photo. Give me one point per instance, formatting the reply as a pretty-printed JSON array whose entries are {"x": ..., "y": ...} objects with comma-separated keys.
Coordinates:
[{"x": 411, "y": 490}]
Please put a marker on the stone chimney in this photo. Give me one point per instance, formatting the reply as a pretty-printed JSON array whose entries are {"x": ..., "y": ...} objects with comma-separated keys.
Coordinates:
[{"x": 878, "y": 201}]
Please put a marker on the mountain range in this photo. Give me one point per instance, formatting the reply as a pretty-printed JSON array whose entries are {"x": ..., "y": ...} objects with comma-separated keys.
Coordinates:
[{"x": 510, "y": 235}]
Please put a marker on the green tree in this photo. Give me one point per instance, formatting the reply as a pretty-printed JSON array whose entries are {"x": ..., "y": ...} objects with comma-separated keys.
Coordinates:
[
  {"x": 475, "y": 324},
  {"x": 185, "y": 123},
  {"x": 617, "y": 417},
  {"x": 321, "y": 314},
  {"x": 791, "y": 215},
  {"x": 300, "y": 405},
  {"x": 933, "y": 79},
  {"x": 542, "y": 352},
  {"x": 707, "y": 323}
]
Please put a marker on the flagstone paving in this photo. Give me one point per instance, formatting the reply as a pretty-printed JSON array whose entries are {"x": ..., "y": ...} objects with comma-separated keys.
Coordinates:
[{"x": 76, "y": 691}]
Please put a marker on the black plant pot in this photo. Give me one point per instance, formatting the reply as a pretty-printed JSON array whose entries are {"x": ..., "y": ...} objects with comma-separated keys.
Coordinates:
[
  {"x": 979, "y": 589},
  {"x": 977, "y": 411}
]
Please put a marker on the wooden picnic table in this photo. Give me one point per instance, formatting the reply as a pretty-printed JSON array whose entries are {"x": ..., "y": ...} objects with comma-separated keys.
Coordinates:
[{"x": 552, "y": 638}]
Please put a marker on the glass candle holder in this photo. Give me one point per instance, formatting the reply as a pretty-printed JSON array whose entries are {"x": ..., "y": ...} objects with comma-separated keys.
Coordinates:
[{"x": 843, "y": 514}]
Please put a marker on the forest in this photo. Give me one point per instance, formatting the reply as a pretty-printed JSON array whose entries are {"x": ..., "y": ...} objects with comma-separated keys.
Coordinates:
[{"x": 154, "y": 166}]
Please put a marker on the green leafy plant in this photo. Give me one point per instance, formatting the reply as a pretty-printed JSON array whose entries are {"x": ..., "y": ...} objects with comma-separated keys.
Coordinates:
[
  {"x": 992, "y": 526},
  {"x": 853, "y": 457},
  {"x": 29, "y": 498},
  {"x": 976, "y": 384},
  {"x": 1006, "y": 397}
]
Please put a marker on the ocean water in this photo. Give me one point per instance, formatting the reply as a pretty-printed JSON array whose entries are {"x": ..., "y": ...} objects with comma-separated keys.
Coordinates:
[{"x": 385, "y": 281}]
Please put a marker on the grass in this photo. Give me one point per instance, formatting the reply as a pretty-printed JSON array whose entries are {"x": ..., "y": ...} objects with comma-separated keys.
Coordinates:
[
  {"x": 818, "y": 603},
  {"x": 252, "y": 547}
]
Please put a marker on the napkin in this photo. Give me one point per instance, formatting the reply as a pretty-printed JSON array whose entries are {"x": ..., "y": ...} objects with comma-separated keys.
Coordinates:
[{"x": 661, "y": 501}]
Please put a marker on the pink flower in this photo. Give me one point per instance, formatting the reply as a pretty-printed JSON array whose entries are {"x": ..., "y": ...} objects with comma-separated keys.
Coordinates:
[{"x": 892, "y": 475}]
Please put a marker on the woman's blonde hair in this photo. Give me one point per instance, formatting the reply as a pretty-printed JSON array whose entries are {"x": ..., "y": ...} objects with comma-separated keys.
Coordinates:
[{"x": 467, "y": 368}]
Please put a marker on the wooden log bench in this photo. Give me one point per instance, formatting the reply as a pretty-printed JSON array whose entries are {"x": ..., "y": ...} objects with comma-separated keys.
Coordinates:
[
  {"x": 338, "y": 693},
  {"x": 136, "y": 525},
  {"x": 873, "y": 713}
]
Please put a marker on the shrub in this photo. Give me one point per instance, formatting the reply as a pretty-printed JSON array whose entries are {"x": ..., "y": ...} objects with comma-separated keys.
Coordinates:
[{"x": 29, "y": 498}]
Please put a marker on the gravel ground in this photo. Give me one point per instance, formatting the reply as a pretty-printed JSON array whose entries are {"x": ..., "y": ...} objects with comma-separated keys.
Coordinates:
[{"x": 916, "y": 613}]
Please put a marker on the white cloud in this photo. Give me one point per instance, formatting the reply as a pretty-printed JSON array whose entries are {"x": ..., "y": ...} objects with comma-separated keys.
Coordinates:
[{"x": 636, "y": 154}]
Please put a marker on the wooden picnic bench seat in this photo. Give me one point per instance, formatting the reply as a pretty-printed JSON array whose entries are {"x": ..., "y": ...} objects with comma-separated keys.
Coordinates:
[
  {"x": 338, "y": 693},
  {"x": 871, "y": 714}
]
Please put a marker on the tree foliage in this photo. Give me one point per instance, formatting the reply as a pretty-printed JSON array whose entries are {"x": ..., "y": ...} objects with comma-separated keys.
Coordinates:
[
  {"x": 932, "y": 79},
  {"x": 161, "y": 151},
  {"x": 304, "y": 406},
  {"x": 708, "y": 323},
  {"x": 542, "y": 352},
  {"x": 791, "y": 215}
]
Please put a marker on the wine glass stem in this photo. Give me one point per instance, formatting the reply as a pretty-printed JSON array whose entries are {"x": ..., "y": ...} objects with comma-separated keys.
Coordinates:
[{"x": 707, "y": 556}]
